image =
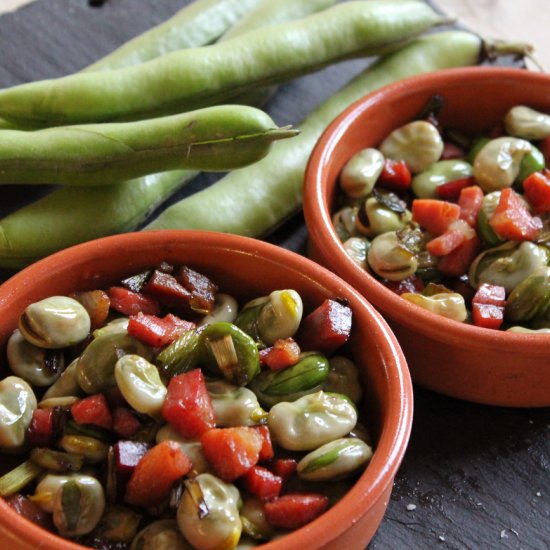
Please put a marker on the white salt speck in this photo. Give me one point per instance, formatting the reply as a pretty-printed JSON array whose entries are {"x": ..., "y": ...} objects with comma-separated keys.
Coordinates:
[
  {"x": 441, "y": 538},
  {"x": 538, "y": 493},
  {"x": 503, "y": 534},
  {"x": 411, "y": 507}
]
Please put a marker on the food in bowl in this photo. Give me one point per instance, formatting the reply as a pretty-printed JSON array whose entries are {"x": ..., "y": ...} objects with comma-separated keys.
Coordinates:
[
  {"x": 459, "y": 359},
  {"x": 455, "y": 223},
  {"x": 107, "y": 450}
]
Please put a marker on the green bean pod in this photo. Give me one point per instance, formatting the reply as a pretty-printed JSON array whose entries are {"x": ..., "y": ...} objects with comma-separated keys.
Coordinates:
[
  {"x": 72, "y": 215},
  {"x": 254, "y": 200},
  {"x": 187, "y": 79},
  {"x": 215, "y": 139},
  {"x": 268, "y": 13},
  {"x": 200, "y": 22}
]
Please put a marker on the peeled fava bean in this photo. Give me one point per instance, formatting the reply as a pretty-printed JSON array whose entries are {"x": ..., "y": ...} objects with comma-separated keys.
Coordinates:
[
  {"x": 357, "y": 248},
  {"x": 17, "y": 405},
  {"x": 55, "y": 322},
  {"x": 303, "y": 378},
  {"x": 95, "y": 370},
  {"x": 78, "y": 506},
  {"x": 343, "y": 377},
  {"x": 418, "y": 143},
  {"x": 390, "y": 259},
  {"x": 526, "y": 123},
  {"x": 376, "y": 218},
  {"x": 344, "y": 221},
  {"x": 311, "y": 421},
  {"x": 46, "y": 490},
  {"x": 227, "y": 350},
  {"x": 234, "y": 405},
  {"x": 531, "y": 298},
  {"x": 208, "y": 513},
  {"x": 163, "y": 534},
  {"x": 447, "y": 304},
  {"x": 498, "y": 163},
  {"x": 508, "y": 265},
  {"x": 36, "y": 365},
  {"x": 360, "y": 173},
  {"x": 424, "y": 185},
  {"x": 271, "y": 318},
  {"x": 334, "y": 460},
  {"x": 140, "y": 384}
]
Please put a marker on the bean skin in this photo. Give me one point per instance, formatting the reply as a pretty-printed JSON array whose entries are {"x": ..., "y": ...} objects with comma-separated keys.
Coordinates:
[
  {"x": 187, "y": 79},
  {"x": 216, "y": 138},
  {"x": 254, "y": 200}
]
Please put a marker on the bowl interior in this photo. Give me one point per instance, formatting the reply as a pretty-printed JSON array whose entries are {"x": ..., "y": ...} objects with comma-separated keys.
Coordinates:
[{"x": 245, "y": 268}]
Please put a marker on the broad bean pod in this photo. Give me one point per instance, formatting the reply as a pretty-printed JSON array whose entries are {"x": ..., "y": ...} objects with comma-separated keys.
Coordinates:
[
  {"x": 186, "y": 79},
  {"x": 254, "y": 200},
  {"x": 72, "y": 215},
  {"x": 215, "y": 138}
]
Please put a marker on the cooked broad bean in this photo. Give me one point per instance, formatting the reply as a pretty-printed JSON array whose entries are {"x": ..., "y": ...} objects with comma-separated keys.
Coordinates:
[
  {"x": 303, "y": 378},
  {"x": 17, "y": 405},
  {"x": 273, "y": 317},
  {"x": 95, "y": 370},
  {"x": 508, "y": 264},
  {"x": 357, "y": 249},
  {"x": 78, "y": 506},
  {"x": 498, "y": 163},
  {"x": 34, "y": 364},
  {"x": 446, "y": 304},
  {"x": 530, "y": 299},
  {"x": 208, "y": 513},
  {"x": 418, "y": 143},
  {"x": 424, "y": 184},
  {"x": 334, "y": 460},
  {"x": 139, "y": 382},
  {"x": 234, "y": 405},
  {"x": 311, "y": 421},
  {"x": 389, "y": 258},
  {"x": 361, "y": 172},
  {"x": 526, "y": 123},
  {"x": 55, "y": 322}
]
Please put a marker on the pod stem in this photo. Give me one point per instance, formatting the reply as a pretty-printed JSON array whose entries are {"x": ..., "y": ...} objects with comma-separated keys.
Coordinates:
[{"x": 493, "y": 49}]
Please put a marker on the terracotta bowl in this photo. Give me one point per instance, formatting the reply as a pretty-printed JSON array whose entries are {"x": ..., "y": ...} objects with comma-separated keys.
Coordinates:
[
  {"x": 245, "y": 268},
  {"x": 456, "y": 359}
]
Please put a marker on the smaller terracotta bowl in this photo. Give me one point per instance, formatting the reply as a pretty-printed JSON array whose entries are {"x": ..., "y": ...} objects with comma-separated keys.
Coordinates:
[
  {"x": 456, "y": 359},
  {"x": 245, "y": 268}
]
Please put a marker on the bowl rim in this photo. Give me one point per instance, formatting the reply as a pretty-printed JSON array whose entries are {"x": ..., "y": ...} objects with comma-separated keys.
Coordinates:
[
  {"x": 321, "y": 230},
  {"x": 393, "y": 439}
]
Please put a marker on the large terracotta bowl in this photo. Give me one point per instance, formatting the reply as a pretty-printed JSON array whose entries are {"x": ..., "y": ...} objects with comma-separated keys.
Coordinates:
[
  {"x": 245, "y": 268},
  {"x": 456, "y": 359}
]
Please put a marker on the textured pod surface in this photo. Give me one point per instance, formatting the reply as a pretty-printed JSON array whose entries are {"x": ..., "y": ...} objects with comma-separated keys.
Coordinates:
[{"x": 152, "y": 89}]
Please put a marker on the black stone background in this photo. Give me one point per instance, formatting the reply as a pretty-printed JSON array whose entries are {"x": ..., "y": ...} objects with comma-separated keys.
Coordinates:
[{"x": 474, "y": 477}]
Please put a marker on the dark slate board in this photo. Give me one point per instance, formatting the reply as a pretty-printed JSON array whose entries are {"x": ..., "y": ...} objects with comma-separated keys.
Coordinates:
[{"x": 473, "y": 476}]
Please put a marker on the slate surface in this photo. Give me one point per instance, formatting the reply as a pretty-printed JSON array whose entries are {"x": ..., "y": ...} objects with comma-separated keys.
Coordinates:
[{"x": 473, "y": 476}]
